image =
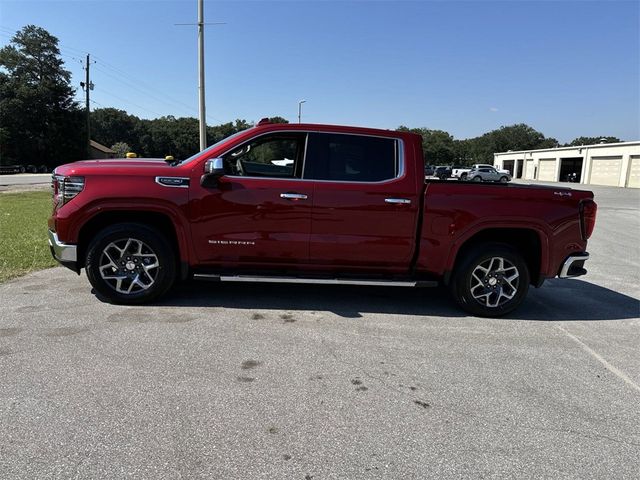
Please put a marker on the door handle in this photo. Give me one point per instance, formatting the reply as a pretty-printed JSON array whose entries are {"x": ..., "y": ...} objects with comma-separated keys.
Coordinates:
[
  {"x": 293, "y": 196},
  {"x": 398, "y": 201}
]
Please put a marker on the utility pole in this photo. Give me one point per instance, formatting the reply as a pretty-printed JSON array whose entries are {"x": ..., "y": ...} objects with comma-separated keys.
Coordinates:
[
  {"x": 201, "y": 98},
  {"x": 88, "y": 86},
  {"x": 203, "y": 119},
  {"x": 300, "y": 109}
]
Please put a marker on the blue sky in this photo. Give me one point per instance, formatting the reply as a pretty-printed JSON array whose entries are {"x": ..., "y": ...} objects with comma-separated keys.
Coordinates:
[{"x": 566, "y": 68}]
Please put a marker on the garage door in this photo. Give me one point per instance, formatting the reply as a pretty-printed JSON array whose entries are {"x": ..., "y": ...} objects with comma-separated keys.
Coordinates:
[
  {"x": 634, "y": 172},
  {"x": 528, "y": 170},
  {"x": 547, "y": 169},
  {"x": 605, "y": 170}
]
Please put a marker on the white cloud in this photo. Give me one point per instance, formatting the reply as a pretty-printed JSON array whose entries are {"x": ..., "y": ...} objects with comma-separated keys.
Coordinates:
[{"x": 493, "y": 109}]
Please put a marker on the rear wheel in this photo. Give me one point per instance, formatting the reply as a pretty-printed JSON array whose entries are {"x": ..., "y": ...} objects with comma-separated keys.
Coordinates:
[
  {"x": 477, "y": 178},
  {"x": 463, "y": 176},
  {"x": 130, "y": 263},
  {"x": 491, "y": 280}
]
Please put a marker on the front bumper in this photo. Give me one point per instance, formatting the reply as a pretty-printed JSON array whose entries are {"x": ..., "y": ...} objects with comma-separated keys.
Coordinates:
[
  {"x": 573, "y": 266},
  {"x": 64, "y": 253}
]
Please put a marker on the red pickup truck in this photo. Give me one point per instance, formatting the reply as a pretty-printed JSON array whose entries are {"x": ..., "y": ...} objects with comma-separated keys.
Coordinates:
[{"x": 315, "y": 204}]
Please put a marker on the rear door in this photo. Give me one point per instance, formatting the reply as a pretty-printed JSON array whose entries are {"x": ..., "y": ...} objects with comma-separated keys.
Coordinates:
[{"x": 365, "y": 203}]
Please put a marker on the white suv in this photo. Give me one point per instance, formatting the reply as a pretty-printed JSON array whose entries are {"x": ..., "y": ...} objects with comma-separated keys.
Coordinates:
[{"x": 488, "y": 173}]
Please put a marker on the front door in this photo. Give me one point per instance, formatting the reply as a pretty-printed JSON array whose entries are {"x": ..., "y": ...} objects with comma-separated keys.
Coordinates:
[
  {"x": 365, "y": 206},
  {"x": 260, "y": 211}
]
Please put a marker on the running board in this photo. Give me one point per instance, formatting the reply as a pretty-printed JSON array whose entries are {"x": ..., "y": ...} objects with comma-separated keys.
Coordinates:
[{"x": 317, "y": 281}]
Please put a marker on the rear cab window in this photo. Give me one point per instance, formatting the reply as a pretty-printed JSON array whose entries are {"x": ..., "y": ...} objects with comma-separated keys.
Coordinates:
[{"x": 351, "y": 158}]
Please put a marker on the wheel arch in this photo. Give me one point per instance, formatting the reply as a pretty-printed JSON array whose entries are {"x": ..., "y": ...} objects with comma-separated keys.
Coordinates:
[
  {"x": 527, "y": 241},
  {"x": 158, "y": 220}
]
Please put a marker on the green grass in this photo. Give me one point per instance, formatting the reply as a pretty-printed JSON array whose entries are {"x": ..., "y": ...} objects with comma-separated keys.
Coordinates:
[{"x": 23, "y": 233}]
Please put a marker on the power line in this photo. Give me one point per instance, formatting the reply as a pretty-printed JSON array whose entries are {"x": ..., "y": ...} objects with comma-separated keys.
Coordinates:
[
  {"x": 135, "y": 87},
  {"x": 128, "y": 79},
  {"x": 149, "y": 88},
  {"x": 130, "y": 102}
]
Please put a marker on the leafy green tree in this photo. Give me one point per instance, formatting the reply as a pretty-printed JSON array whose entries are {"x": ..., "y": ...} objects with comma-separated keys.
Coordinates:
[
  {"x": 592, "y": 141},
  {"x": 110, "y": 126},
  {"x": 121, "y": 149},
  {"x": 438, "y": 146},
  {"x": 277, "y": 119},
  {"x": 40, "y": 121},
  {"x": 219, "y": 132},
  {"x": 513, "y": 137}
]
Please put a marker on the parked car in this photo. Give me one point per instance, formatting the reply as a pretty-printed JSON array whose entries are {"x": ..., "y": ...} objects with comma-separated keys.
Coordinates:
[
  {"x": 10, "y": 169},
  {"x": 353, "y": 208},
  {"x": 442, "y": 172},
  {"x": 488, "y": 174},
  {"x": 429, "y": 170},
  {"x": 462, "y": 173}
]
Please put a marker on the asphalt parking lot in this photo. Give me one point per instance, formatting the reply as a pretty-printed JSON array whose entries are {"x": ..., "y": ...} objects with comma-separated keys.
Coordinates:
[{"x": 306, "y": 382}]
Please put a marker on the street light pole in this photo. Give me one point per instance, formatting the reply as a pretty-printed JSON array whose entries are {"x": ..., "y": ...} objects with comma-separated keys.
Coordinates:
[
  {"x": 203, "y": 120},
  {"x": 300, "y": 109}
]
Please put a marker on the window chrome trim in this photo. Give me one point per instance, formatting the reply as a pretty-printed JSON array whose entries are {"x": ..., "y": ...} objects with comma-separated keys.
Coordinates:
[
  {"x": 400, "y": 154},
  {"x": 304, "y": 155}
]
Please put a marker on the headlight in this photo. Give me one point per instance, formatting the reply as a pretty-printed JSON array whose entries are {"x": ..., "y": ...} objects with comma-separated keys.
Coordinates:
[{"x": 65, "y": 188}]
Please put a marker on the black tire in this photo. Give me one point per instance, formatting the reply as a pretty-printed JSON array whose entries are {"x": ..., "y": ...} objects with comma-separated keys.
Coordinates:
[
  {"x": 496, "y": 286},
  {"x": 504, "y": 179},
  {"x": 137, "y": 245},
  {"x": 477, "y": 178},
  {"x": 463, "y": 176}
]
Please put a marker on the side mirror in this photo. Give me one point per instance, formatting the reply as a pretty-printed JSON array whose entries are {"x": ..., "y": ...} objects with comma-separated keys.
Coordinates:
[
  {"x": 213, "y": 170},
  {"x": 215, "y": 166}
]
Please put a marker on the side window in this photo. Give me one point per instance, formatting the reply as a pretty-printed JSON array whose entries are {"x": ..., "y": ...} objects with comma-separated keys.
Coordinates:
[
  {"x": 275, "y": 155},
  {"x": 351, "y": 158}
]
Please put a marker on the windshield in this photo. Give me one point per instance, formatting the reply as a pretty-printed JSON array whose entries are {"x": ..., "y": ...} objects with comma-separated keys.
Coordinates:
[{"x": 208, "y": 149}]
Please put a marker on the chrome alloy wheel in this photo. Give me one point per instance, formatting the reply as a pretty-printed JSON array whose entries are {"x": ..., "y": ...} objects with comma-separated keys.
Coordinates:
[
  {"x": 128, "y": 266},
  {"x": 494, "y": 282}
]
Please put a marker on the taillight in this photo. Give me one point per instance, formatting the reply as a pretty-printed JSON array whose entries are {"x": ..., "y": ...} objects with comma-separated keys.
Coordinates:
[
  {"x": 588, "y": 210},
  {"x": 65, "y": 188}
]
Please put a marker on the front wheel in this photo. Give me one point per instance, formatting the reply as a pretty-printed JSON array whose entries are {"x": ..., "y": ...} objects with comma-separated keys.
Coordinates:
[
  {"x": 130, "y": 263},
  {"x": 463, "y": 176},
  {"x": 491, "y": 280},
  {"x": 504, "y": 179}
]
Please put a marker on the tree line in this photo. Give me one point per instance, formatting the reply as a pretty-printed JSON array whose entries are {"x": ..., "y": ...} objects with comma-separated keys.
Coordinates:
[{"x": 41, "y": 123}]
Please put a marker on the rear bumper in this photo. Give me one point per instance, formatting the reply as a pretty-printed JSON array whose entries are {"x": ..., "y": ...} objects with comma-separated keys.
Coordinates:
[
  {"x": 64, "y": 253},
  {"x": 573, "y": 266}
]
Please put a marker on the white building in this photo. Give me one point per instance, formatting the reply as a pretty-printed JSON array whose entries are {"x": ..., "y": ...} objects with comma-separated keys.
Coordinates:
[{"x": 615, "y": 164}]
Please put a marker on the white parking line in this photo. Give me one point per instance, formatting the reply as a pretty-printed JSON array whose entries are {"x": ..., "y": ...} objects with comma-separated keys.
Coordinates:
[{"x": 619, "y": 373}]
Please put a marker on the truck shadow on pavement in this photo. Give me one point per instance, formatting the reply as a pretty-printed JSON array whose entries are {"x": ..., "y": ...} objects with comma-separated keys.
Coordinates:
[
  {"x": 557, "y": 300},
  {"x": 573, "y": 299}
]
